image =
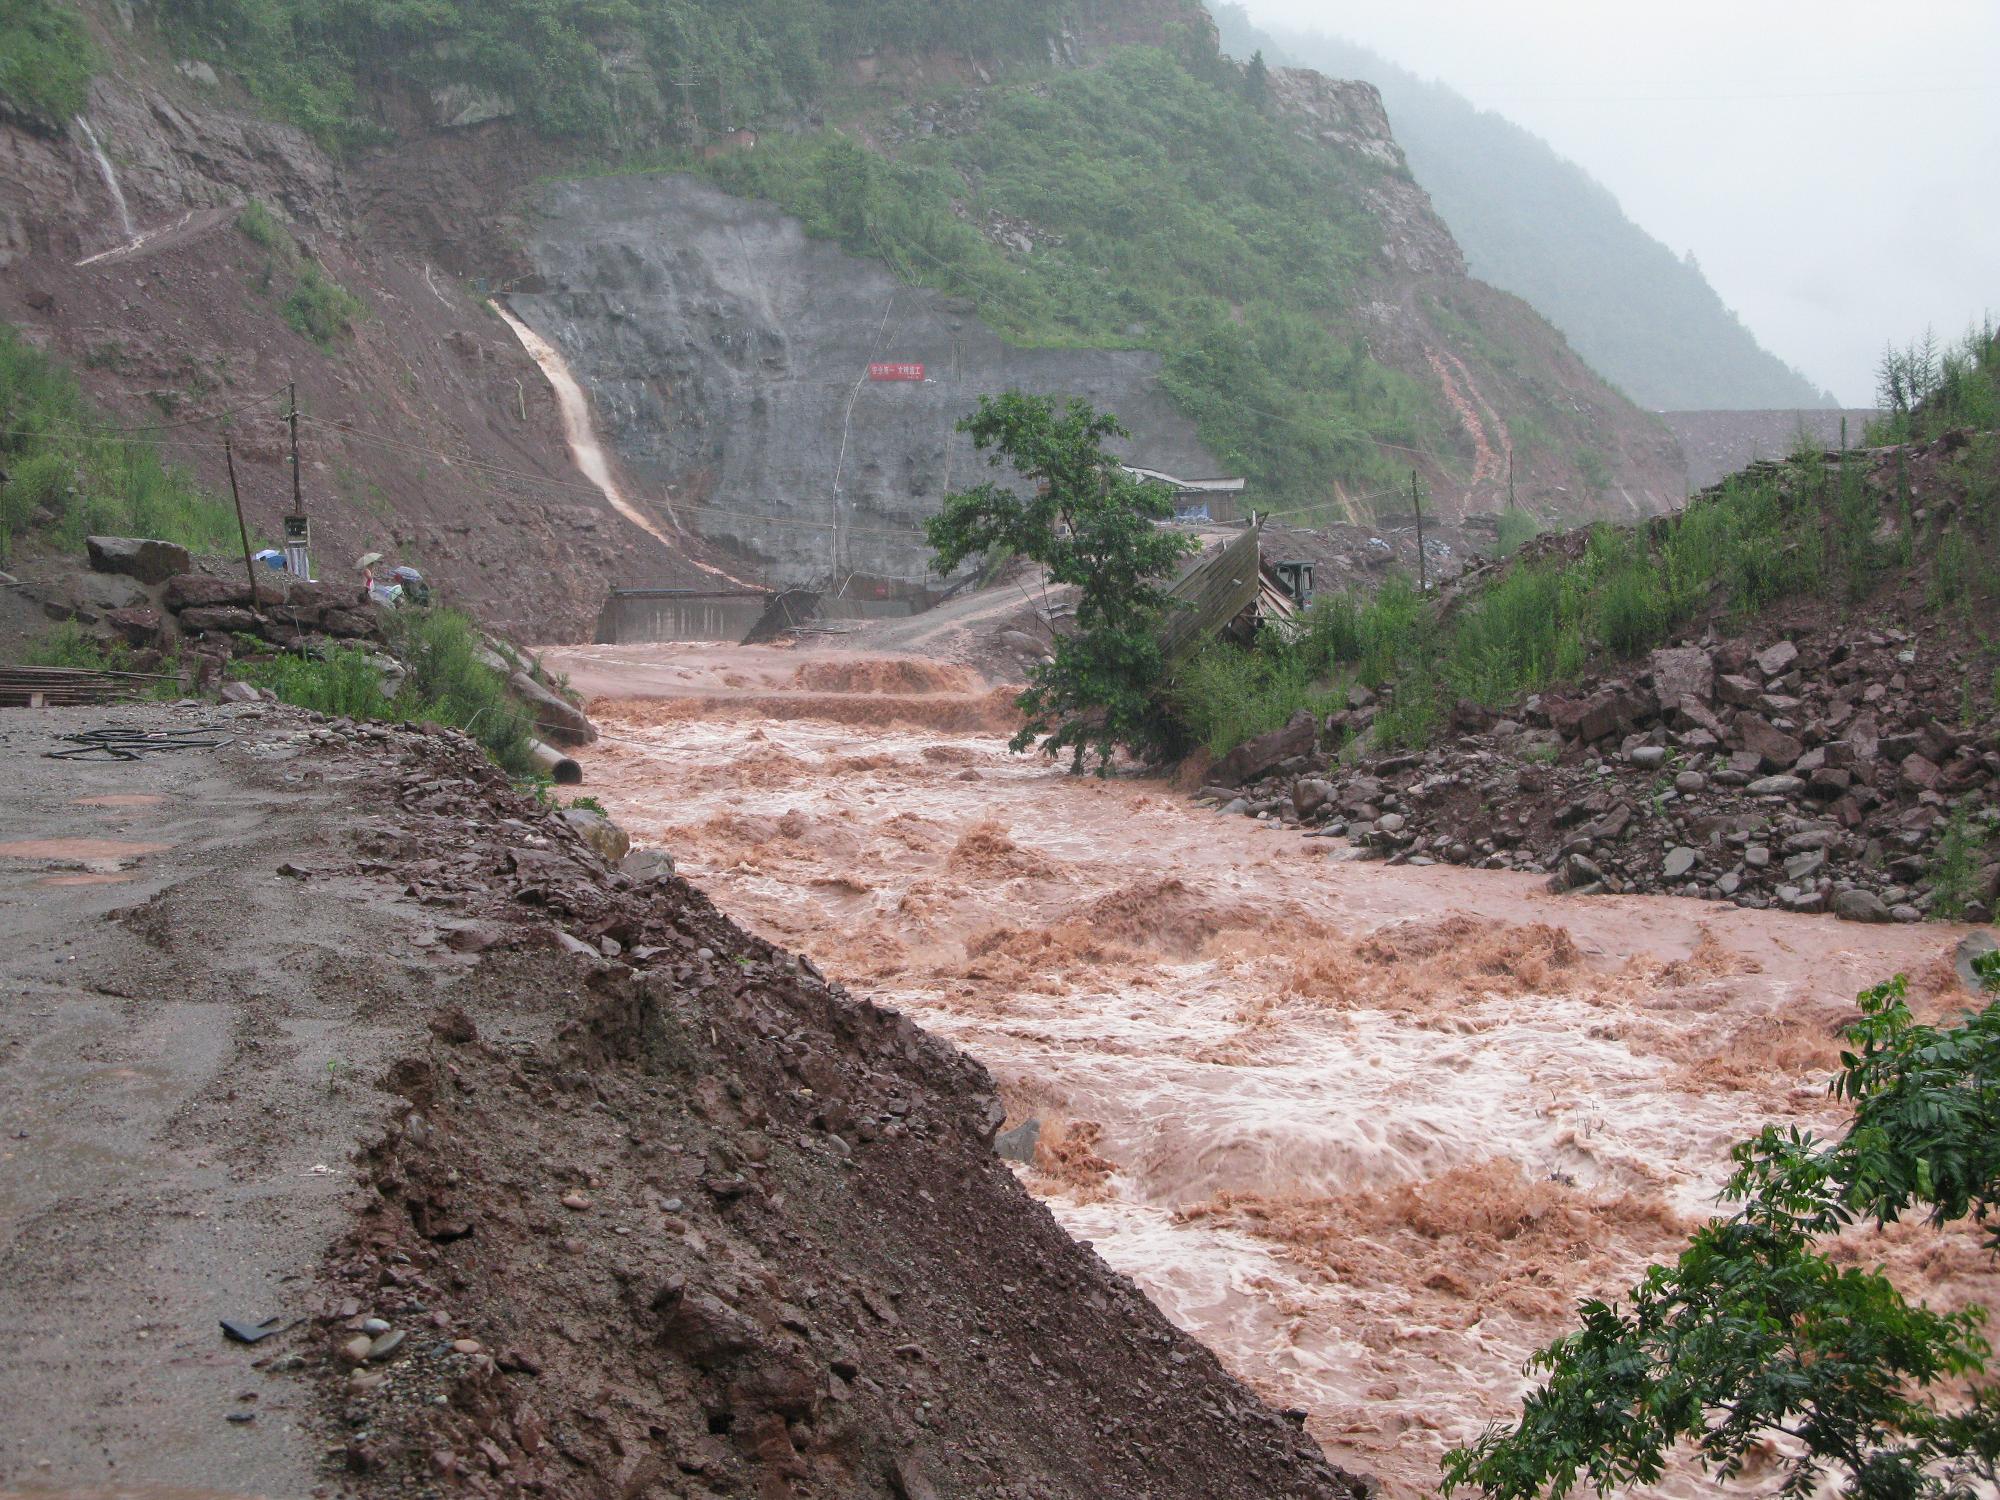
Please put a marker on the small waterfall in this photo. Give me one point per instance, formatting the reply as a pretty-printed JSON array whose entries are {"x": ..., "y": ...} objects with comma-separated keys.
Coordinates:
[
  {"x": 580, "y": 432},
  {"x": 110, "y": 175}
]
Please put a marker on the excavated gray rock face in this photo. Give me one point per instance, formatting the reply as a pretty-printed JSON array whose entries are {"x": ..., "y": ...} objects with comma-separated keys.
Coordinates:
[{"x": 727, "y": 355}]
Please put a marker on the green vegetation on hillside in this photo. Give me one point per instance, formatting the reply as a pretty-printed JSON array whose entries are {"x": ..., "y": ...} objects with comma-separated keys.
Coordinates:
[
  {"x": 1762, "y": 538},
  {"x": 1171, "y": 218},
  {"x": 447, "y": 683},
  {"x": 317, "y": 307},
  {"x": 1927, "y": 389},
  {"x": 1167, "y": 214},
  {"x": 709, "y": 64},
  {"x": 46, "y": 62},
  {"x": 1539, "y": 226},
  {"x": 66, "y": 476}
]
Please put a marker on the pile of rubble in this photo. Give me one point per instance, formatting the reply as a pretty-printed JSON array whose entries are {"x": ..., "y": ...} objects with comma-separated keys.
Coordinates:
[{"x": 1819, "y": 771}]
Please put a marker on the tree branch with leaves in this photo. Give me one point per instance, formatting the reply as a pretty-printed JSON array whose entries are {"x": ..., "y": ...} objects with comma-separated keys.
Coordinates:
[{"x": 1755, "y": 1331}]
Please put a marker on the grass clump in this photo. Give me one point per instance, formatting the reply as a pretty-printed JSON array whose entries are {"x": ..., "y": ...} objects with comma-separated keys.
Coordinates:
[
  {"x": 345, "y": 683},
  {"x": 46, "y": 63},
  {"x": 68, "y": 644},
  {"x": 446, "y": 682},
  {"x": 1227, "y": 694},
  {"x": 320, "y": 307},
  {"x": 66, "y": 477},
  {"x": 449, "y": 683},
  {"x": 1541, "y": 622},
  {"x": 317, "y": 306}
]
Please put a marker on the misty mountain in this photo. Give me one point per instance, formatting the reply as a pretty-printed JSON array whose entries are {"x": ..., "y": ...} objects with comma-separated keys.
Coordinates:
[{"x": 1535, "y": 224}]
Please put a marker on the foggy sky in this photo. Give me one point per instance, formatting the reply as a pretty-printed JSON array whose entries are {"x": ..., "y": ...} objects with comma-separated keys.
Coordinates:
[{"x": 1833, "y": 165}]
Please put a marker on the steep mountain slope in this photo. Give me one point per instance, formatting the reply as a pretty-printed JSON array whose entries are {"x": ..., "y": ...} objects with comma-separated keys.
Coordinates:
[
  {"x": 1545, "y": 229},
  {"x": 426, "y": 432},
  {"x": 1244, "y": 270}
]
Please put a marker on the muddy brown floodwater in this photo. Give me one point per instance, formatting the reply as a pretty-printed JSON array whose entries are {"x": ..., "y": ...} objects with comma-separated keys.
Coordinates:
[{"x": 1369, "y": 1132}]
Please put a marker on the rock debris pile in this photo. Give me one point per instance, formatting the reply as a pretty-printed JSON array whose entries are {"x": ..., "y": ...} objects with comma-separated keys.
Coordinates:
[
  {"x": 1821, "y": 770},
  {"x": 669, "y": 1214}
]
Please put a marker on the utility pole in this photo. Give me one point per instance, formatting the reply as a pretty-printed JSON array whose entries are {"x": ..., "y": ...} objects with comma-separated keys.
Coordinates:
[
  {"x": 249, "y": 567},
  {"x": 1417, "y": 505},
  {"x": 1510, "y": 479},
  {"x": 298, "y": 528},
  {"x": 298, "y": 503}
]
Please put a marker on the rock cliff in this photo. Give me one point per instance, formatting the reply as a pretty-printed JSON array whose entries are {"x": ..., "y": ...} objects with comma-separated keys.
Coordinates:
[{"x": 728, "y": 357}]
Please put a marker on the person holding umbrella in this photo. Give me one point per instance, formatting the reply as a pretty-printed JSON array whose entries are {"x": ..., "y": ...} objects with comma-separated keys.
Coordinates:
[{"x": 372, "y": 592}]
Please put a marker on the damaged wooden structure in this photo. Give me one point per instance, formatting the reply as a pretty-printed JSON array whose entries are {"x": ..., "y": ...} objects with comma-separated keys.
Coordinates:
[{"x": 1226, "y": 589}]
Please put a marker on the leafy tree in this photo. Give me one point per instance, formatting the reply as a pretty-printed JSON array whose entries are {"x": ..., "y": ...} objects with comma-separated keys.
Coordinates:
[
  {"x": 1257, "y": 81},
  {"x": 1090, "y": 524},
  {"x": 1755, "y": 1331}
]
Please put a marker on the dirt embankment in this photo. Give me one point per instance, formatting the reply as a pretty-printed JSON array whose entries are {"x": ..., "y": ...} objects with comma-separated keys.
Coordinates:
[{"x": 644, "y": 1205}]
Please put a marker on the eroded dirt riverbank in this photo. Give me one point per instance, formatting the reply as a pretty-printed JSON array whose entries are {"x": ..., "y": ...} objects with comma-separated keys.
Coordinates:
[{"x": 1368, "y": 1132}]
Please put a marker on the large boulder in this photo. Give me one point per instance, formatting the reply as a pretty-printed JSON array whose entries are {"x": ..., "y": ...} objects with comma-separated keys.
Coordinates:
[
  {"x": 89, "y": 598},
  {"x": 200, "y": 591},
  {"x": 142, "y": 558},
  {"x": 1264, "y": 754},
  {"x": 1681, "y": 672},
  {"x": 138, "y": 626},
  {"x": 1774, "y": 749},
  {"x": 1861, "y": 906},
  {"x": 217, "y": 619},
  {"x": 610, "y": 841}
]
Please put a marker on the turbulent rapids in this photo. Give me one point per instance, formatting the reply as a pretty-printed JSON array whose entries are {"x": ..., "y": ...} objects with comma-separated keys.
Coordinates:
[{"x": 1369, "y": 1132}]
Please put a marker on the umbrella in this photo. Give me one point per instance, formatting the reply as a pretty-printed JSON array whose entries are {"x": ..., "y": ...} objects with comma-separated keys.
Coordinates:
[{"x": 367, "y": 559}]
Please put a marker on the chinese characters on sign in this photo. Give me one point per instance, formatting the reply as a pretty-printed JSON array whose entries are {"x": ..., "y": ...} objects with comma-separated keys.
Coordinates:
[{"x": 881, "y": 371}]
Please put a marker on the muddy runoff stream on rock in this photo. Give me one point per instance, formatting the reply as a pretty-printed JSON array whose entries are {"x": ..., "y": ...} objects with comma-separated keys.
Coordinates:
[{"x": 1369, "y": 1132}]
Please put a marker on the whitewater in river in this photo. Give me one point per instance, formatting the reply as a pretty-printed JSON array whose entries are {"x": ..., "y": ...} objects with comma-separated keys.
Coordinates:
[{"x": 1368, "y": 1132}]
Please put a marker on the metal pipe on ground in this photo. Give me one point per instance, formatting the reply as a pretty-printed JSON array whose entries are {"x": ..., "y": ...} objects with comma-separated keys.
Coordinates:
[{"x": 565, "y": 771}]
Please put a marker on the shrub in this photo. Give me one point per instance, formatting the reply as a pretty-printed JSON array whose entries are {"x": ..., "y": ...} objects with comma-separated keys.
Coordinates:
[
  {"x": 1955, "y": 866},
  {"x": 320, "y": 307},
  {"x": 46, "y": 62},
  {"x": 1517, "y": 528},
  {"x": 1755, "y": 1330},
  {"x": 263, "y": 228},
  {"x": 1593, "y": 469}
]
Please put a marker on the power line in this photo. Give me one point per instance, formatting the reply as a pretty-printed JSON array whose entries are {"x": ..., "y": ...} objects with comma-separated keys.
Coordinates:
[{"x": 107, "y": 429}]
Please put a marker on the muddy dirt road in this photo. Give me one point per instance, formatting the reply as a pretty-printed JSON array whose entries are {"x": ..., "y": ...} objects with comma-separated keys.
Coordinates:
[
  {"x": 182, "y": 1040},
  {"x": 1368, "y": 1132}
]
